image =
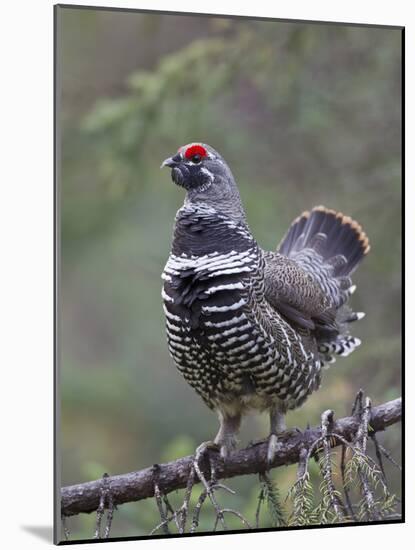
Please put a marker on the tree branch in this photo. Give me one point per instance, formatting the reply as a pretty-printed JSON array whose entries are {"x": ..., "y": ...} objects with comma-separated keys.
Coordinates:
[{"x": 134, "y": 486}]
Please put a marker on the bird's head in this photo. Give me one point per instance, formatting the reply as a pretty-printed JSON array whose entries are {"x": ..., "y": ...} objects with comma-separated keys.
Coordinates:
[
  {"x": 206, "y": 177},
  {"x": 196, "y": 166}
]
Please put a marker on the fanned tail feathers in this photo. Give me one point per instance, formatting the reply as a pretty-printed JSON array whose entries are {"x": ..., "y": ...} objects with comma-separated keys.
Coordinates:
[
  {"x": 330, "y": 245},
  {"x": 331, "y": 234}
]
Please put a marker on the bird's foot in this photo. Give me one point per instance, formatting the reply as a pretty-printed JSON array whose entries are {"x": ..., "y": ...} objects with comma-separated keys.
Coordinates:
[
  {"x": 210, "y": 485},
  {"x": 203, "y": 452},
  {"x": 273, "y": 441},
  {"x": 204, "y": 449},
  {"x": 272, "y": 448},
  {"x": 281, "y": 435},
  {"x": 226, "y": 445}
]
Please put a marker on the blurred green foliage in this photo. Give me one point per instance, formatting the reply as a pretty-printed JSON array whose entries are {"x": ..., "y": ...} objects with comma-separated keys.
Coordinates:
[{"x": 304, "y": 114}]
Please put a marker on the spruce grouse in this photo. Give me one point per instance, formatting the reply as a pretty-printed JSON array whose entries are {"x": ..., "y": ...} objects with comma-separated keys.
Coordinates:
[{"x": 248, "y": 328}]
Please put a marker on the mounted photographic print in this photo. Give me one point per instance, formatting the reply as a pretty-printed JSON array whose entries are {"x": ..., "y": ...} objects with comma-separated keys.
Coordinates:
[{"x": 228, "y": 273}]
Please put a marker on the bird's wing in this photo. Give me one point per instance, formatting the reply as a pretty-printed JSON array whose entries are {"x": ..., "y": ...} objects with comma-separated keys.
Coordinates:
[{"x": 294, "y": 293}]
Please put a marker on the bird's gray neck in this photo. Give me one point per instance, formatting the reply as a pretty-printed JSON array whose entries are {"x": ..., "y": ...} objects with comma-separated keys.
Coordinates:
[
  {"x": 201, "y": 229},
  {"x": 221, "y": 196}
]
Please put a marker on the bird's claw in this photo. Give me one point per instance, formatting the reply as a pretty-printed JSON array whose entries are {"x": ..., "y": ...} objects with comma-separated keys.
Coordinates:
[
  {"x": 272, "y": 448},
  {"x": 205, "y": 447},
  {"x": 273, "y": 440}
]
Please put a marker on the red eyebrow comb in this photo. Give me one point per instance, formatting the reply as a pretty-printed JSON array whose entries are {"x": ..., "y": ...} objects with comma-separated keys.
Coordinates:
[{"x": 195, "y": 150}]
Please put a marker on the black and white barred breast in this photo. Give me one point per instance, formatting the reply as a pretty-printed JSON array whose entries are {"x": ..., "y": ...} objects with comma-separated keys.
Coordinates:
[{"x": 225, "y": 337}]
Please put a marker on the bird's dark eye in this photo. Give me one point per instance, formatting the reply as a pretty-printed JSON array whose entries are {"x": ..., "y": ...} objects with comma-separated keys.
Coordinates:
[{"x": 196, "y": 158}]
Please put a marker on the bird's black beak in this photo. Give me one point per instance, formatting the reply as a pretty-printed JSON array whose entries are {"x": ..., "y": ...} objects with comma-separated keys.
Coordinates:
[{"x": 171, "y": 161}]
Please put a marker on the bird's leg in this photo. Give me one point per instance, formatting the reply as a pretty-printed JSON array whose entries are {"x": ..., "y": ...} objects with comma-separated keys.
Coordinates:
[
  {"x": 226, "y": 436},
  {"x": 277, "y": 429},
  {"x": 225, "y": 441},
  {"x": 277, "y": 426}
]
